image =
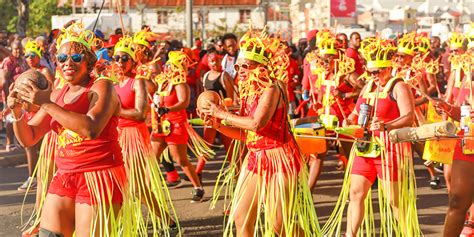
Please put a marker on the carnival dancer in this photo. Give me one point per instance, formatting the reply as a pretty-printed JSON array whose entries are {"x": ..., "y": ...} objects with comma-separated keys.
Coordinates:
[
  {"x": 385, "y": 103},
  {"x": 86, "y": 192},
  {"x": 33, "y": 53},
  {"x": 461, "y": 191},
  {"x": 456, "y": 49},
  {"x": 333, "y": 92},
  {"x": 145, "y": 181},
  {"x": 219, "y": 81},
  {"x": 273, "y": 178},
  {"x": 410, "y": 64},
  {"x": 170, "y": 126}
]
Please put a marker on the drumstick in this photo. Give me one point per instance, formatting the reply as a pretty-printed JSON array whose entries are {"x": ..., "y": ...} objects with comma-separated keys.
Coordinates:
[{"x": 340, "y": 108}]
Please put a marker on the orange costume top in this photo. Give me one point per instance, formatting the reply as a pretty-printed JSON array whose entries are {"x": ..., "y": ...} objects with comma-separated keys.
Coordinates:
[{"x": 77, "y": 153}]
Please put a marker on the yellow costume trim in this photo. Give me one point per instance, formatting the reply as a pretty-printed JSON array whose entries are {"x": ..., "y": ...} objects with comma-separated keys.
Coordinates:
[
  {"x": 178, "y": 63},
  {"x": 456, "y": 40},
  {"x": 125, "y": 45},
  {"x": 407, "y": 44},
  {"x": 146, "y": 185},
  {"x": 377, "y": 52},
  {"x": 33, "y": 47},
  {"x": 77, "y": 33},
  {"x": 44, "y": 171}
]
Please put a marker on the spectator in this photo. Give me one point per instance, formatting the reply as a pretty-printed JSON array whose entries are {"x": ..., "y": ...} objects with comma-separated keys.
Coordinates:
[
  {"x": 342, "y": 38},
  {"x": 11, "y": 68},
  {"x": 353, "y": 52},
  {"x": 230, "y": 46}
]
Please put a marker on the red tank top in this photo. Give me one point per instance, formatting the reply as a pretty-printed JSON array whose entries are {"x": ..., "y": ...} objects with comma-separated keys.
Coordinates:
[
  {"x": 176, "y": 116},
  {"x": 127, "y": 101},
  {"x": 79, "y": 154},
  {"x": 274, "y": 134},
  {"x": 346, "y": 103},
  {"x": 387, "y": 108}
]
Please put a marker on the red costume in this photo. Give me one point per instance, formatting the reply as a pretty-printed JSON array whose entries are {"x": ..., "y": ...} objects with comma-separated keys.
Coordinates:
[
  {"x": 77, "y": 156},
  {"x": 387, "y": 110}
]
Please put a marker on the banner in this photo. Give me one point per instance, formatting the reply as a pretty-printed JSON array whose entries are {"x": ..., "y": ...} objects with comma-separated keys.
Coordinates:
[{"x": 343, "y": 8}]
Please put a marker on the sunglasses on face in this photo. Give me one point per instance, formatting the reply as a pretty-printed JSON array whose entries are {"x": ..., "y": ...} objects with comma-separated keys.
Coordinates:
[
  {"x": 30, "y": 55},
  {"x": 375, "y": 73},
  {"x": 77, "y": 57},
  {"x": 241, "y": 66},
  {"x": 125, "y": 58}
]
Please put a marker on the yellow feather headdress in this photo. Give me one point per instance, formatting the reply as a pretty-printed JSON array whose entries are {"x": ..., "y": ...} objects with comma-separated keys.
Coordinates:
[
  {"x": 77, "y": 33},
  {"x": 33, "y": 47},
  {"x": 126, "y": 45},
  {"x": 377, "y": 52}
]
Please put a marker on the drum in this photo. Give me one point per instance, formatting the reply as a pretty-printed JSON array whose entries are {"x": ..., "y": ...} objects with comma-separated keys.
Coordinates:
[{"x": 307, "y": 145}]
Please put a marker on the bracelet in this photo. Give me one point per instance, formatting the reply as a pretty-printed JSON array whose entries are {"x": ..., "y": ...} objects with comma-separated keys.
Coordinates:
[
  {"x": 18, "y": 119},
  {"x": 226, "y": 122}
]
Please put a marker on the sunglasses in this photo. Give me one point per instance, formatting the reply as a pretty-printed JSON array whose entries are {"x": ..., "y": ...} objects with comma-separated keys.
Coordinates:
[
  {"x": 241, "y": 66},
  {"x": 30, "y": 55},
  {"x": 124, "y": 58},
  {"x": 375, "y": 73},
  {"x": 77, "y": 57}
]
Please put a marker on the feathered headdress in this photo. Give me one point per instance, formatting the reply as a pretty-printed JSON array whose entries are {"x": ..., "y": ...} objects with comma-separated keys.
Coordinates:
[
  {"x": 77, "y": 33},
  {"x": 33, "y": 47},
  {"x": 377, "y": 52},
  {"x": 125, "y": 44}
]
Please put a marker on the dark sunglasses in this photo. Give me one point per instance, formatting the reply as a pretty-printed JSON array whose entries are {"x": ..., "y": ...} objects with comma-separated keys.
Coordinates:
[
  {"x": 77, "y": 57},
  {"x": 375, "y": 73},
  {"x": 124, "y": 58},
  {"x": 30, "y": 55}
]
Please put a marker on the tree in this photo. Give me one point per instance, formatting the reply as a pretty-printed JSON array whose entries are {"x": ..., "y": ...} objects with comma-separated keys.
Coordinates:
[
  {"x": 7, "y": 15},
  {"x": 22, "y": 9},
  {"x": 41, "y": 12}
]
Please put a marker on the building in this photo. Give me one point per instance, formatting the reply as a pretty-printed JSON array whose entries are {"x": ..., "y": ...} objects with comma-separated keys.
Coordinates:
[{"x": 210, "y": 17}]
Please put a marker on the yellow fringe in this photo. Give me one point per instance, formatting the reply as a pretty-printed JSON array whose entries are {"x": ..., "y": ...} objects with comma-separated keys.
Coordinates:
[
  {"x": 226, "y": 178},
  {"x": 106, "y": 221},
  {"x": 406, "y": 224},
  {"x": 44, "y": 170},
  {"x": 297, "y": 208},
  {"x": 145, "y": 185},
  {"x": 198, "y": 146}
]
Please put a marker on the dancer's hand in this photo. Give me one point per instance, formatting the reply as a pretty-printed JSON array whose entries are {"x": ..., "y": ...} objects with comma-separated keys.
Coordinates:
[
  {"x": 212, "y": 109},
  {"x": 377, "y": 125},
  {"x": 29, "y": 92},
  {"x": 12, "y": 101}
]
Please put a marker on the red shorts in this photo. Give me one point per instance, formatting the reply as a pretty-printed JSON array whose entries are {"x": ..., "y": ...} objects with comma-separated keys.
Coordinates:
[
  {"x": 74, "y": 186},
  {"x": 178, "y": 136},
  {"x": 371, "y": 168},
  {"x": 458, "y": 155}
]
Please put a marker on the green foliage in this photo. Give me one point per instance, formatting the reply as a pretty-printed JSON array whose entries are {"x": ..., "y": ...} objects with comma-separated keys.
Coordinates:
[
  {"x": 7, "y": 15},
  {"x": 40, "y": 15}
]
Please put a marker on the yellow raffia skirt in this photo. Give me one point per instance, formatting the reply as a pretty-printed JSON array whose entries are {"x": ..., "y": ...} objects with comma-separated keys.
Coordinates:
[
  {"x": 44, "y": 170},
  {"x": 391, "y": 224},
  {"x": 276, "y": 184},
  {"x": 145, "y": 186}
]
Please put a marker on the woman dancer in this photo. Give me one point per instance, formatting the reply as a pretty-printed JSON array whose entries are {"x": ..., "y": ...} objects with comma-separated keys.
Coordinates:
[
  {"x": 170, "y": 125},
  {"x": 273, "y": 178},
  {"x": 86, "y": 192},
  {"x": 393, "y": 107},
  {"x": 145, "y": 182}
]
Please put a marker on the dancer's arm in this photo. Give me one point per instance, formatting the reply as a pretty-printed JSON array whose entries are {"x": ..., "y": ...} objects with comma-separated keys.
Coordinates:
[
  {"x": 266, "y": 107},
  {"x": 139, "y": 112}
]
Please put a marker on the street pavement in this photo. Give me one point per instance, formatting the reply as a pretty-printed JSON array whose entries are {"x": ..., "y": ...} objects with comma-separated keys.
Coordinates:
[{"x": 198, "y": 220}]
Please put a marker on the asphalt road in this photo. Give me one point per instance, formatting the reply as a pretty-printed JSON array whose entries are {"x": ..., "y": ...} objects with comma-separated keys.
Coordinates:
[{"x": 198, "y": 220}]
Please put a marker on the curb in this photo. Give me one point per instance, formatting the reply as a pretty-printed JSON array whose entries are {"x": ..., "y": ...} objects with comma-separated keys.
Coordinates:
[{"x": 8, "y": 159}]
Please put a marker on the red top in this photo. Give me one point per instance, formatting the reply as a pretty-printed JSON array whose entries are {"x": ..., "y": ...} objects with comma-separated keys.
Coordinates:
[
  {"x": 359, "y": 64},
  {"x": 175, "y": 116},
  {"x": 387, "y": 108},
  {"x": 14, "y": 65},
  {"x": 292, "y": 71},
  {"x": 275, "y": 134},
  {"x": 79, "y": 154},
  {"x": 347, "y": 104},
  {"x": 127, "y": 101}
]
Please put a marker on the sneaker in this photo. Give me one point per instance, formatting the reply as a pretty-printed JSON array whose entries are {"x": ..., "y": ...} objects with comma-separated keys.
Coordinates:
[
  {"x": 25, "y": 185},
  {"x": 198, "y": 194},
  {"x": 428, "y": 163},
  {"x": 434, "y": 182},
  {"x": 173, "y": 184}
]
